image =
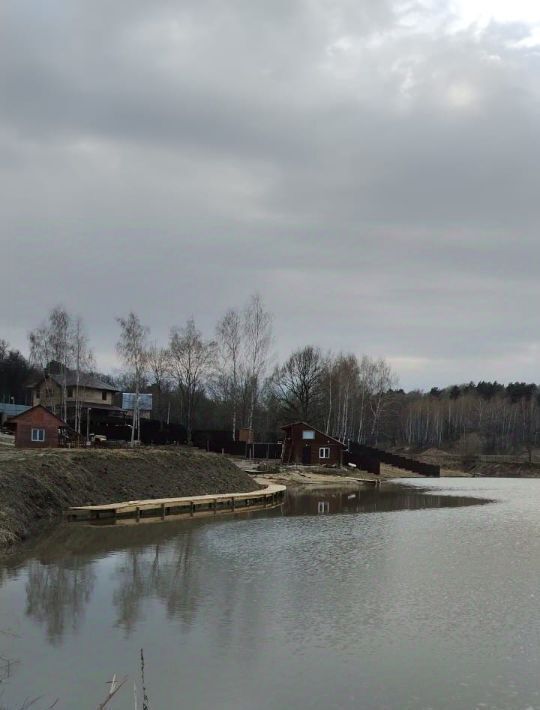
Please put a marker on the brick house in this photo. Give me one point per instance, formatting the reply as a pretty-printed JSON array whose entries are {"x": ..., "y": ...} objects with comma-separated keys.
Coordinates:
[
  {"x": 303, "y": 444},
  {"x": 37, "y": 428}
]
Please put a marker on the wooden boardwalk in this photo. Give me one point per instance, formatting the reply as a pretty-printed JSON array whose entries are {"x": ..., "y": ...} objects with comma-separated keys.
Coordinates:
[{"x": 268, "y": 497}]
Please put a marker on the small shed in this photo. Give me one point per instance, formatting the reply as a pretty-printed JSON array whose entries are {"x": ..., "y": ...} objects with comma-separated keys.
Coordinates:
[
  {"x": 37, "y": 428},
  {"x": 304, "y": 444}
]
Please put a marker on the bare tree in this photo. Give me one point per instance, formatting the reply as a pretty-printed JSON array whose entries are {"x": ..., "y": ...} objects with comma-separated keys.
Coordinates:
[
  {"x": 366, "y": 378},
  {"x": 229, "y": 335},
  {"x": 297, "y": 384},
  {"x": 83, "y": 361},
  {"x": 133, "y": 349},
  {"x": 192, "y": 360},
  {"x": 382, "y": 380},
  {"x": 159, "y": 364},
  {"x": 50, "y": 346},
  {"x": 258, "y": 335},
  {"x": 62, "y": 344}
]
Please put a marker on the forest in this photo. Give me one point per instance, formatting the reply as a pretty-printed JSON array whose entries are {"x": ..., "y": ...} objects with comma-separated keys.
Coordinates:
[{"x": 231, "y": 380}]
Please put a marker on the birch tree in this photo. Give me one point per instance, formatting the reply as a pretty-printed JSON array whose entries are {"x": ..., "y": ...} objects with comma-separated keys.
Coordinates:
[
  {"x": 83, "y": 360},
  {"x": 60, "y": 343},
  {"x": 230, "y": 339},
  {"x": 382, "y": 380},
  {"x": 133, "y": 349},
  {"x": 48, "y": 349},
  {"x": 258, "y": 335}
]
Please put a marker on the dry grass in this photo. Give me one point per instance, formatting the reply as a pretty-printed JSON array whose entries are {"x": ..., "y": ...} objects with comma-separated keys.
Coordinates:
[{"x": 38, "y": 486}]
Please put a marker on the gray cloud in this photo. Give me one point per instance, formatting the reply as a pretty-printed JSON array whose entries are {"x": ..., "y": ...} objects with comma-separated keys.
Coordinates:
[{"x": 370, "y": 169}]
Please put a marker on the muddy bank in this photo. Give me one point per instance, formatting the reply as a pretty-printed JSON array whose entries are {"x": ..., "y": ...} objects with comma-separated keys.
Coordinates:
[
  {"x": 505, "y": 469},
  {"x": 36, "y": 487},
  {"x": 494, "y": 465}
]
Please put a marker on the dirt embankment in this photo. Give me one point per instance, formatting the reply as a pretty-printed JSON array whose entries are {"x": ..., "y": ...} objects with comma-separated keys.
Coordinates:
[
  {"x": 37, "y": 486},
  {"x": 502, "y": 466},
  {"x": 506, "y": 469}
]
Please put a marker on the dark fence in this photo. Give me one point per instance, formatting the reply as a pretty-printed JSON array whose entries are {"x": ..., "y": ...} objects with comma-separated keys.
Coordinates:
[
  {"x": 262, "y": 450},
  {"x": 152, "y": 431},
  {"x": 211, "y": 438},
  {"x": 256, "y": 450},
  {"x": 404, "y": 462},
  {"x": 364, "y": 461}
]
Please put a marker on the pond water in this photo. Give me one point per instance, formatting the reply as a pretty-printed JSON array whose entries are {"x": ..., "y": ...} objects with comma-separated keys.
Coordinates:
[{"x": 429, "y": 601}]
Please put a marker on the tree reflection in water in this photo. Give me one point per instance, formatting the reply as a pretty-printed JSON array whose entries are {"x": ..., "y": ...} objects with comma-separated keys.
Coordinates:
[
  {"x": 162, "y": 571},
  {"x": 60, "y": 573},
  {"x": 57, "y": 594},
  {"x": 169, "y": 561}
]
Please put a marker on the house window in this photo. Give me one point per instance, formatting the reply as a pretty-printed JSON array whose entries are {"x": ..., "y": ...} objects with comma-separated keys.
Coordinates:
[
  {"x": 308, "y": 434},
  {"x": 70, "y": 392},
  {"x": 38, "y": 434},
  {"x": 324, "y": 452},
  {"x": 104, "y": 396}
]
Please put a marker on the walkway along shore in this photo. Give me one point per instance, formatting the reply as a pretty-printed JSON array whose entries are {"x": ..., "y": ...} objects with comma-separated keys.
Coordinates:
[
  {"x": 38, "y": 487},
  {"x": 191, "y": 506}
]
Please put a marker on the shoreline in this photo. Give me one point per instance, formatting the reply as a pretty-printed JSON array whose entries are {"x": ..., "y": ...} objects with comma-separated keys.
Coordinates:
[
  {"x": 299, "y": 476},
  {"x": 38, "y": 486}
]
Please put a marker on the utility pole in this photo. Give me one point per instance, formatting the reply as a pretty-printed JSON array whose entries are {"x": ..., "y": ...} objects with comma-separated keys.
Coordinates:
[{"x": 88, "y": 425}]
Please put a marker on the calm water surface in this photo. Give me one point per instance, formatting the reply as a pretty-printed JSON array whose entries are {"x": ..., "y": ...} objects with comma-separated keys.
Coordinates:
[{"x": 425, "y": 602}]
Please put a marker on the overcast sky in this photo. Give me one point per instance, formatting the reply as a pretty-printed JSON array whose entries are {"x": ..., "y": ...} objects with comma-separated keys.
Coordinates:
[{"x": 370, "y": 167}]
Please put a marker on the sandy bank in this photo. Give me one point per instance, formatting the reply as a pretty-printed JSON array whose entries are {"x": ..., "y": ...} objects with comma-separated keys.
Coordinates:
[{"x": 308, "y": 475}]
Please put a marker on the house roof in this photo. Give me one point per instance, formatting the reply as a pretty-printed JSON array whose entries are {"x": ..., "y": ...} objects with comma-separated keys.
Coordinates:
[
  {"x": 85, "y": 380},
  {"x": 61, "y": 422},
  {"x": 12, "y": 410},
  {"x": 309, "y": 426}
]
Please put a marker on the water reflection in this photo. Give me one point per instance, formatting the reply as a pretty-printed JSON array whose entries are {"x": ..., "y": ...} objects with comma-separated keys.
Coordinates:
[
  {"x": 57, "y": 595},
  {"x": 322, "y": 608},
  {"x": 163, "y": 571},
  {"x": 155, "y": 561},
  {"x": 169, "y": 561},
  {"x": 329, "y": 500}
]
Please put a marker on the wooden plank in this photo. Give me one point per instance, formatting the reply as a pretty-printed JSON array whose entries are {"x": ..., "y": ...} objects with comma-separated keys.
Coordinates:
[
  {"x": 208, "y": 504},
  {"x": 130, "y": 506}
]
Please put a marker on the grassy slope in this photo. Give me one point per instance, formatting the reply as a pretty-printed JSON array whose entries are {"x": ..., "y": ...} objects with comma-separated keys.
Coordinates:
[{"x": 38, "y": 485}]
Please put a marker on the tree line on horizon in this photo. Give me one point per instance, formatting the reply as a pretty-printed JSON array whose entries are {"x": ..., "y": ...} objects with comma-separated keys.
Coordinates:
[{"x": 231, "y": 381}]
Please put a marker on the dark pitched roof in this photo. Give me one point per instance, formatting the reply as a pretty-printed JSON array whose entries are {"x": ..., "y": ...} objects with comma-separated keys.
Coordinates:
[
  {"x": 85, "y": 380},
  {"x": 38, "y": 406},
  {"x": 314, "y": 428}
]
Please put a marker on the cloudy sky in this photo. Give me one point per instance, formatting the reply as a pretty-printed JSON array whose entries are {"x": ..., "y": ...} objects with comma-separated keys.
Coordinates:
[{"x": 370, "y": 167}]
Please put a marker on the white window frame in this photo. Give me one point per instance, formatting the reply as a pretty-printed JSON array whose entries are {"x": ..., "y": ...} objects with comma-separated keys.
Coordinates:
[
  {"x": 38, "y": 435},
  {"x": 324, "y": 452},
  {"x": 308, "y": 435}
]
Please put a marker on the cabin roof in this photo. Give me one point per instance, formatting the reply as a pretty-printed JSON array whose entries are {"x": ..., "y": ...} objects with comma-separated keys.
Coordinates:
[{"x": 61, "y": 422}]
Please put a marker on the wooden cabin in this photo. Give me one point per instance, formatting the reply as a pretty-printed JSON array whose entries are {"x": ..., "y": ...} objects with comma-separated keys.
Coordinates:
[
  {"x": 37, "y": 428},
  {"x": 304, "y": 444}
]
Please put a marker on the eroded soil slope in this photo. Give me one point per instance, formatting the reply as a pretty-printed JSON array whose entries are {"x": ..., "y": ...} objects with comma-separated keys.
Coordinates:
[{"x": 36, "y": 486}]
